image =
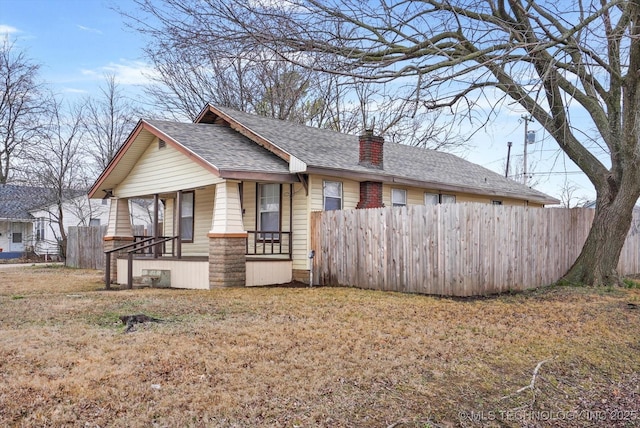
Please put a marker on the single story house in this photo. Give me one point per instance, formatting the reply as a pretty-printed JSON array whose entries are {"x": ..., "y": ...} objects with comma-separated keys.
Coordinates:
[
  {"x": 238, "y": 190},
  {"x": 29, "y": 219},
  {"x": 16, "y": 223}
]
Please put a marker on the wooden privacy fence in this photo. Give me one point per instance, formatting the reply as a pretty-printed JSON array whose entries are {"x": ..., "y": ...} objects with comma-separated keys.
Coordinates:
[
  {"x": 454, "y": 249},
  {"x": 85, "y": 246}
]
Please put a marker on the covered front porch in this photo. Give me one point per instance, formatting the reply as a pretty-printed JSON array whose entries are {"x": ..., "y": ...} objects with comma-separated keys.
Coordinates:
[{"x": 231, "y": 233}]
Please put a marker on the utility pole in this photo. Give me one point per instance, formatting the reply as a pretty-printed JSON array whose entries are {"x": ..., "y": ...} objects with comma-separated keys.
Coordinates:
[
  {"x": 506, "y": 172},
  {"x": 527, "y": 140}
]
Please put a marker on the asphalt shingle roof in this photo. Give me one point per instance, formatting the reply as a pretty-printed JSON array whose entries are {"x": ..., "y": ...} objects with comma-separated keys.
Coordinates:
[
  {"x": 329, "y": 149},
  {"x": 222, "y": 147},
  {"x": 17, "y": 201},
  {"x": 229, "y": 150}
]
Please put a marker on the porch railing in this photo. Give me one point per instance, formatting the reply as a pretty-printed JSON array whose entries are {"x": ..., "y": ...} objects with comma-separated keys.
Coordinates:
[
  {"x": 144, "y": 245},
  {"x": 268, "y": 242},
  {"x": 161, "y": 249}
]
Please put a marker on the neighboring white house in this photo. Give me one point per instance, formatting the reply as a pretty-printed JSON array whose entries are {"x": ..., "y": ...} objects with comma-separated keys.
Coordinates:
[
  {"x": 29, "y": 221},
  {"x": 79, "y": 211}
]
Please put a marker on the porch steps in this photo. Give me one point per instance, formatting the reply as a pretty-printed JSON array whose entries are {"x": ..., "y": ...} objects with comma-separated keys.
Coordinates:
[{"x": 156, "y": 278}]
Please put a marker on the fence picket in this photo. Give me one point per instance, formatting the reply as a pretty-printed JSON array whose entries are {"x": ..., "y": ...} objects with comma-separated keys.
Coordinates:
[
  {"x": 85, "y": 246},
  {"x": 456, "y": 250}
]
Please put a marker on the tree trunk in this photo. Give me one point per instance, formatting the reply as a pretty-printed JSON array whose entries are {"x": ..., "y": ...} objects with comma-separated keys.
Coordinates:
[
  {"x": 63, "y": 234},
  {"x": 598, "y": 261}
]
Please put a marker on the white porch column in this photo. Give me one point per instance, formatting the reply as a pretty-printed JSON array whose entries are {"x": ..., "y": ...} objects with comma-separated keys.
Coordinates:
[
  {"x": 227, "y": 213},
  {"x": 119, "y": 219},
  {"x": 227, "y": 238},
  {"x": 119, "y": 232}
]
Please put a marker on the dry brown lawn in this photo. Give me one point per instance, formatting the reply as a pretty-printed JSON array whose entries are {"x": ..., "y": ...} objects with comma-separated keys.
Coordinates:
[{"x": 321, "y": 357}]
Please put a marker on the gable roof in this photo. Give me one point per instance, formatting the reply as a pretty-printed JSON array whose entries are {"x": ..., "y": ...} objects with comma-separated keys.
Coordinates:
[
  {"x": 17, "y": 201},
  {"x": 238, "y": 145},
  {"x": 322, "y": 150},
  {"x": 222, "y": 147}
]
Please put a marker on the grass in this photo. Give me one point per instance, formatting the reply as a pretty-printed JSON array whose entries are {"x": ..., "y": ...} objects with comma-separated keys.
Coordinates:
[{"x": 334, "y": 357}]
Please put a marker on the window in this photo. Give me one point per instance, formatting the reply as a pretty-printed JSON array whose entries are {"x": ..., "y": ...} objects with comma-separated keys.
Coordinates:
[
  {"x": 186, "y": 218},
  {"x": 40, "y": 222},
  {"x": 431, "y": 199},
  {"x": 94, "y": 222},
  {"x": 398, "y": 197},
  {"x": 269, "y": 211},
  {"x": 332, "y": 195},
  {"x": 496, "y": 202},
  {"x": 447, "y": 199},
  {"x": 438, "y": 198}
]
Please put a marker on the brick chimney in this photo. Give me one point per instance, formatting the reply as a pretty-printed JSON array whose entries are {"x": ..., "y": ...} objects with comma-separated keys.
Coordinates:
[
  {"x": 371, "y": 150},
  {"x": 370, "y": 195},
  {"x": 371, "y": 156}
]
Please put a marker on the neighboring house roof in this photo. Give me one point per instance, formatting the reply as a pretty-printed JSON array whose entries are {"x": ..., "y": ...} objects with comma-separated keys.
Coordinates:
[
  {"x": 234, "y": 144},
  {"x": 17, "y": 201}
]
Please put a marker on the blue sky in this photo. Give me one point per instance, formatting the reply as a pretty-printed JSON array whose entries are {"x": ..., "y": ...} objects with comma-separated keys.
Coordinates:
[
  {"x": 78, "y": 41},
  {"x": 75, "y": 41}
]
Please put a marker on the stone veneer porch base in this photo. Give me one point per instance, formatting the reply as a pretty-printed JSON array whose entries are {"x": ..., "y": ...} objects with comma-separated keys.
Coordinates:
[{"x": 227, "y": 260}]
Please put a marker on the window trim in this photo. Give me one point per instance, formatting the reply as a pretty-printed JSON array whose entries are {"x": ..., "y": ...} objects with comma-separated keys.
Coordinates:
[
  {"x": 40, "y": 229},
  {"x": 193, "y": 216},
  {"x": 324, "y": 195},
  {"x": 437, "y": 197},
  {"x": 397, "y": 189},
  {"x": 447, "y": 194},
  {"x": 262, "y": 237}
]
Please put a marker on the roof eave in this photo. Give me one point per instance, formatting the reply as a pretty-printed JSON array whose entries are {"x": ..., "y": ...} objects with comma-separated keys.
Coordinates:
[
  {"x": 95, "y": 188},
  {"x": 392, "y": 179},
  {"x": 140, "y": 126},
  {"x": 278, "y": 177}
]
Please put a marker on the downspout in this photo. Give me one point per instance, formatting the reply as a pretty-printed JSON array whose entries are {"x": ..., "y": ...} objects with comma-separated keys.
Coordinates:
[{"x": 312, "y": 254}]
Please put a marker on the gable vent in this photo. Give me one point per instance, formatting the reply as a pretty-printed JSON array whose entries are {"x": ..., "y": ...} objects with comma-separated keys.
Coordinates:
[{"x": 162, "y": 144}]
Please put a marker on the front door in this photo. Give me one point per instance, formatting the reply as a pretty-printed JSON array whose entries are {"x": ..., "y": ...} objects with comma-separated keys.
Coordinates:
[{"x": 16, "y": 239}]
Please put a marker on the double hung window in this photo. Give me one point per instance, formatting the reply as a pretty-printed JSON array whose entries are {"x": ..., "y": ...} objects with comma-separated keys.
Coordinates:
[
  {"x": 269, "y": 211},
  {"x": 332, "y": 195},
  {"x": 398, "y": 197},
  {"x": 186, "y": 216}
]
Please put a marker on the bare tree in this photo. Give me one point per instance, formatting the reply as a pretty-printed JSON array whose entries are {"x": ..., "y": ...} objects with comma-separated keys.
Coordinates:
[
  {"x": 22, "y": 107},
  {"x": 58, "y": 164},
  {"x": 107, "y": 120},
  {"x": 568, "y": 197},
  {"x": 198, "y": 62},
  {"x": 551, "y": 58}
]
